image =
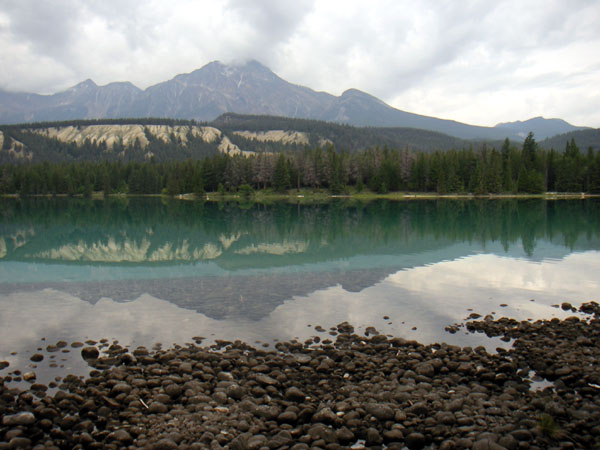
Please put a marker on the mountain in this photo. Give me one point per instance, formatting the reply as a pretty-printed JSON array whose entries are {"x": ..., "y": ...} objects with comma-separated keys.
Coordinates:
[
  {"x": 540, "y": 127},
  {"x": 251, "y": 88},
  {"x": 584, "y": 139}
]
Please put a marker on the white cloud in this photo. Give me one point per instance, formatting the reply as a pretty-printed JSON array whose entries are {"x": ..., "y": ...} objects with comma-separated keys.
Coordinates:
[{"x": 477, "y": 62}]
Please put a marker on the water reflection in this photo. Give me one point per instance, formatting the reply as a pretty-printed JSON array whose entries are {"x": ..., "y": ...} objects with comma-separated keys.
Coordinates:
[{"x": 143, "y": 271}]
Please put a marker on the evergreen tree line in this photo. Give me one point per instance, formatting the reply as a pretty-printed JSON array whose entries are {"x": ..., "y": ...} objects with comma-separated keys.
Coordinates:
[{"x": 528, "y": 169}]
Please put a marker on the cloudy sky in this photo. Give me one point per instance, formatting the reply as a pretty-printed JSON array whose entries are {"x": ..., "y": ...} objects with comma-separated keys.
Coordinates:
[{"x": 480, "y": 62}]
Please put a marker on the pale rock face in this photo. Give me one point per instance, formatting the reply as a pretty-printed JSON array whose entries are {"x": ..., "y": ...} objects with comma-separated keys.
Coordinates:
[
  {"x": 229, "y": 148},
  {"x": 285, "y": 137},
  {"x": 16, "y": 150},
  {"x": 128, "y": 134}
]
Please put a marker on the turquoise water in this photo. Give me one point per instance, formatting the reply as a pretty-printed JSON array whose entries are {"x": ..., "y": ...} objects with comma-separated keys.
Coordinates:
[{"x": 143, "y": 271}]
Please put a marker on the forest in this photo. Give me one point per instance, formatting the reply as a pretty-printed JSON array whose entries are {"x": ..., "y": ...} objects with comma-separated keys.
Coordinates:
[{"x": 512, "y": 169}]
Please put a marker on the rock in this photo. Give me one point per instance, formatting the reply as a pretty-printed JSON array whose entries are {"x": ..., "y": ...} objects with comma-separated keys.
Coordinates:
[
  {"x": 164, "y": 444},
  {"x": 287, "y": 417},
  {"x": 19, "y": 442},
  {"x": 280, "y": 440},
  {"x": 173, "y": 390},
  {"x": 380, "y": 411},
  {"x": 562, "y": 371},
  {"x": 373, "y": 437},
  {"x": 445, "y": 418},
  {"x": 22, "y": 418},
  {"x": 220, "y": 397},
  {"x": 344, "y": 435},
  {"x": 68, "y": 422},
  {"x": 415, "y": 441},
  {"x": 122, "y": 436},
  {"x": 522, "y": 435},
  {"x": 36, "y": 357},
  {"x": 29, "y": 376},
  {"x": 425, "y": 369},
  {"x": 487, "y": 444},
  {"x": 371, "y": 331},
  {"x": 266, "y": 380},
  {"x": 256, "y": 442},
  {"x": 157, "y": 408},
  {"x": 419, "y": 409},
  {"x": 294, "y": 394},
  {"x": 120, "y": 388},
  {"x": 90, "y": 353},
  {"x": 508, "y": 442},
  {"x": 235, "y": 391},
  {"x": 321, "y": 432},
  {"x": 325, "y": 415},
  {"x": 4, "y": 364},
  {"x": 393, "y": 435},
  {"x": 455, "y": 405}
]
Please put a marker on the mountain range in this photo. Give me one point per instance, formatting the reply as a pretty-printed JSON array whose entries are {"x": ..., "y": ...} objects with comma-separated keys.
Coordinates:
[{"x": 251, "y": 88}]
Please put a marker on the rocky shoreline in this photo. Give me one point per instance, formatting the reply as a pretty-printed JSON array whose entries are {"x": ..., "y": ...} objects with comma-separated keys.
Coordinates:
[{"x": 349, "y": 391}]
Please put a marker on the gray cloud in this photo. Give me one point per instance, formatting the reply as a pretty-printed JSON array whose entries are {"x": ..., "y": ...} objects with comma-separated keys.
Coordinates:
[{"x": 477, "y": 62}]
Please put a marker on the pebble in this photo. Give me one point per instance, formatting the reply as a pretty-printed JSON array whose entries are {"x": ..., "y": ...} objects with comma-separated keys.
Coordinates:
[{"x": 376, "y": 390}]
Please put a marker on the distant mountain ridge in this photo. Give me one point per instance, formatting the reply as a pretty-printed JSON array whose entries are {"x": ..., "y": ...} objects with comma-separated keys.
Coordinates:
[{"x": 251, "y": 88}]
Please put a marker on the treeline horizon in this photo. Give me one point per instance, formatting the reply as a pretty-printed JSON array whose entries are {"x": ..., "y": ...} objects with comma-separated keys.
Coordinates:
[{"x": 512, "y": 169}]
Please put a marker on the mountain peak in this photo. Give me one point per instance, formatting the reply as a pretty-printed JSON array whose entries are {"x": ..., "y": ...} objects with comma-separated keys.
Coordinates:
[{"x": 87, "y": 84}]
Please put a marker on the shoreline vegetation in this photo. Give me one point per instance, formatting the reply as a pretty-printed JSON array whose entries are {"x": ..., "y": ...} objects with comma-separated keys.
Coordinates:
[
  {"x": 308, "y": 195},
  {"x": 339, "y": 391}
]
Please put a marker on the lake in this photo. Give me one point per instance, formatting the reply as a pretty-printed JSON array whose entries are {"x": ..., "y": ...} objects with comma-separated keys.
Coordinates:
[{"x": 147, "y": 270}]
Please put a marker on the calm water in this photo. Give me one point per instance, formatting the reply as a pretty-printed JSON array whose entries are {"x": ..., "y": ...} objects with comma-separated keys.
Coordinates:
[{"x": 142, "y": 271}]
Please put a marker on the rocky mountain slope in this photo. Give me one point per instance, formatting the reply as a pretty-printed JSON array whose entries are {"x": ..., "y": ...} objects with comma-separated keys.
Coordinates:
[
  {"x": 166, "y": 139},
  {"x": 252, "y": 88}
]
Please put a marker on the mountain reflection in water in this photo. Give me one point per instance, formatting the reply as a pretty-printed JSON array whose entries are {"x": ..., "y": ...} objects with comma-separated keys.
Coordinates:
[{"x": 148, "y": 270}]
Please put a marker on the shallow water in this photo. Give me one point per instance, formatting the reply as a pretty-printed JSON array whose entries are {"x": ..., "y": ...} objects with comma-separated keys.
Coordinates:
[{"x": 143, "y": 271}]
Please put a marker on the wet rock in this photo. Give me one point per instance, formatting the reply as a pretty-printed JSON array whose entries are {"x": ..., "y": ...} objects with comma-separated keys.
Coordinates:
[
  {"x": 90, "y": 353},
  {"x": 37, "y": 357},
  {"x": 29, "y": 376}
]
